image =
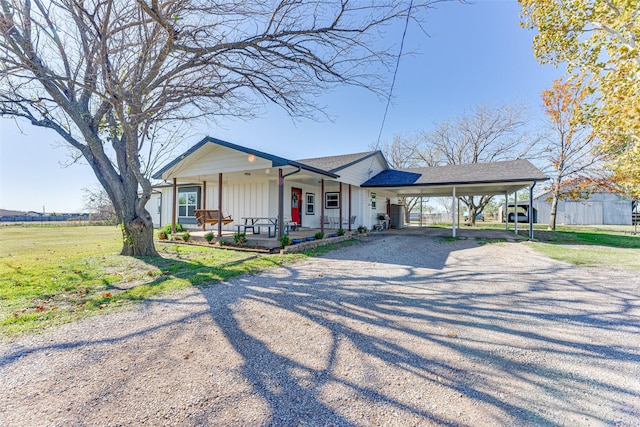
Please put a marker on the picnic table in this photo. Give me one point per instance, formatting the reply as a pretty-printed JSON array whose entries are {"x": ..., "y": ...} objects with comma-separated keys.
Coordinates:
[{"x": 256, "y": 222}]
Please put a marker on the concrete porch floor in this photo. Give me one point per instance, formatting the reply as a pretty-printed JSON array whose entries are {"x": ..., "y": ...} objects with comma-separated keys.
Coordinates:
[{"x": 262, "y": 240}]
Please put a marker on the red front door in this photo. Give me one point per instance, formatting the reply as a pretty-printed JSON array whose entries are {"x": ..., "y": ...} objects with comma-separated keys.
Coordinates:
[{"x": 296, "y": 205}]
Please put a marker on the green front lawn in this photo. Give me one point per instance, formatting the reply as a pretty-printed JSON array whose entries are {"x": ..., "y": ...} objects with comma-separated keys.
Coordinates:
[{"x": 53, "y": 275}]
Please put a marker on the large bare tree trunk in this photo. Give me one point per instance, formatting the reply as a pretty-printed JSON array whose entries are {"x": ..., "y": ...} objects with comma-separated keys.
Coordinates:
[{"x": 138, "y": 238}]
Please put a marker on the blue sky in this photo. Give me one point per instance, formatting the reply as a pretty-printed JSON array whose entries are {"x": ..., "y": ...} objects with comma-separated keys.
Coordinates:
[{"x": 475, "y": 54}]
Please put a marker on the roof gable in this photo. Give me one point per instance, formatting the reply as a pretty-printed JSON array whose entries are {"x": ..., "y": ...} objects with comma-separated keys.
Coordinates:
[
  {"x": 276, "y": 161},
  {"x": 335, "y": 164}
]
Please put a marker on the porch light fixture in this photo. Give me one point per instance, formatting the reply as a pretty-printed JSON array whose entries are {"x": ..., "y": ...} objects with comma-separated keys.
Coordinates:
[
  {"x": 251, "y": 158},
  {"x": 267, "y": 171}
]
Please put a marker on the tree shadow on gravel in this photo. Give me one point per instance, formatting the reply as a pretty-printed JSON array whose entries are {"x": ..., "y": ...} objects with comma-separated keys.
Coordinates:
[
  {"x": 354, "y": 338},
  {"x": 527, "y": 359}
]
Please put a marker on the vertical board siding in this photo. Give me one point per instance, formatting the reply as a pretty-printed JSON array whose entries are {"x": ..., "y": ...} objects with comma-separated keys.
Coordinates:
[
  {"x": 358, "y": 173},
  {"x": 219, "y": 159},
  {"x": 152, "y": 208}
]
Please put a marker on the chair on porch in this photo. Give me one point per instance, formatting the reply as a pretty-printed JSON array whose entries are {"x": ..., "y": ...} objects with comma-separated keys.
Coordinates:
[{"x": 351, "y": 222}]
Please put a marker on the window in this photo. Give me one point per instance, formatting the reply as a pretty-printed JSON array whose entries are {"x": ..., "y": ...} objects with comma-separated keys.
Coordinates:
[
  {"x": 311, "y": 204},
  {"x": 332, "y": 200},
  {"x": 187, "y": 201},
  {"x": 373, "y": 200}
]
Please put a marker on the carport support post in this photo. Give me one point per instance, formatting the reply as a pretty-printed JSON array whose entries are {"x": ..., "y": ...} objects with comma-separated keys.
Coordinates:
[
  {"x": 453, "y": 214},
  {"x": 505, "y": 213},
  {"x": 515, "y": 212},
  {"x": 530, "y": 211}
]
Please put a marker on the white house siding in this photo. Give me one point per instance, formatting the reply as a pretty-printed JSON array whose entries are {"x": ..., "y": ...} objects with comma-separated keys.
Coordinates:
[
  {"x": 152, "y": 208},
  {"x": 167, "y": 197},
  {"x": 307, "y": 220},
  {"x": 360, "y": 172},
  {"x": 215, "y": 159},
  {"x": 250, "y": 199}
]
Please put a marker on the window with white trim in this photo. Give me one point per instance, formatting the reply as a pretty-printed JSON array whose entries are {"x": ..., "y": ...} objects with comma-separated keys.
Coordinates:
[
  {"x": 332, "y": 200},
  {"x": 311, "y": 204},
  {"x": 187, "y": 202}
]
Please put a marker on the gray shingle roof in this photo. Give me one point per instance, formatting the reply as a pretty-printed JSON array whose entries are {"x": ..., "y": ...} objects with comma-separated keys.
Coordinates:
[
  {"x": 506, "y": 171},
  {"x": 335, "y": 163}
]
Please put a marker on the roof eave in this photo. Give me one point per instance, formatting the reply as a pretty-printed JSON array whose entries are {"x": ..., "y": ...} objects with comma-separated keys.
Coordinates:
[
  {"x": 431, "y": 184},
  {"x": 276, "y": 161}
]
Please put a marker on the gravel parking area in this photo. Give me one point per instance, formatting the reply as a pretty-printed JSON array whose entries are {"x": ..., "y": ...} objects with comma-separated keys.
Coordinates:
[{"x": 399, "y": 330}]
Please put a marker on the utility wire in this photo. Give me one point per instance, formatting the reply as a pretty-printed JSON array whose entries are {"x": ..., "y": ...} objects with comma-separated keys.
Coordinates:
[{"x": 395, "y": 73}]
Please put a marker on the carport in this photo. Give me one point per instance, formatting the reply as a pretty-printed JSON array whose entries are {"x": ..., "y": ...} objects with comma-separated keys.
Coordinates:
[{"x": 475, "y": 179}]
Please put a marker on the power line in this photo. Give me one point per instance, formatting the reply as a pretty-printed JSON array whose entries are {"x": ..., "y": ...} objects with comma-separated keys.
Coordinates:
[{"x": 395, "y": 73}]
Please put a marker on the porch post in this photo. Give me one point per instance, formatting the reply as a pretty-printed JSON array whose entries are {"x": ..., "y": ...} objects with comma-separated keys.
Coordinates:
[
  {"x": 219, "y": 205},
  {"x": 340, "y": 211},
  {"x": 458, "y": 216},
  {"x": 453, "y": 213},
  {"x": 419, "y": 222},
  {"x": 515, "y": 212},
  {"x": 204, "y": 202},
  {"x": 280, "y": 201},
  {"x": 349, "y": 220},
  {"x": 322, "y": 205},
  {"x": 175, "y": 206}
]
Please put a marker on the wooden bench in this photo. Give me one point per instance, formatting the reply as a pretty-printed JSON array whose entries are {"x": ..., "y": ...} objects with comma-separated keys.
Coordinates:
[{"x": 207, "y": 216}]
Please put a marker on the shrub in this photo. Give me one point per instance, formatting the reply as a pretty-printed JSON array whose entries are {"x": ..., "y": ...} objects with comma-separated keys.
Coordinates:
[
  {"x": 340, "y": 232},
  {"x": 167, "y": 228},
  {"x": 362, "y": 229},
  {"x": 186, "y": 236},
  {"x": 284, "y": 240},
  {"x": 319, "y": 235},
  {"x": 162, "y": 235},
  {"x": 240, "y": 239},
  {"x": 208, "y": 237}
]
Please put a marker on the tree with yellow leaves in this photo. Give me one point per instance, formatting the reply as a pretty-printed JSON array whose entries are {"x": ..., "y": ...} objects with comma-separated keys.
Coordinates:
[
  {"x": 569, "y": 146},
  {"x": 599, "y": 41}
]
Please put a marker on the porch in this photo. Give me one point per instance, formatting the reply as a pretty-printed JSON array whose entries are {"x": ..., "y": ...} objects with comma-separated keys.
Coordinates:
[{"x": 263, "y": 240}]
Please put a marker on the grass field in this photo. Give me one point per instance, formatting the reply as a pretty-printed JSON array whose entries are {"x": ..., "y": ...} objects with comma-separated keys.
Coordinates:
[
  {"x": 608, "y": 246},
  {"x": 52, "y": 275},
  {"x": 591, "y": 246}
]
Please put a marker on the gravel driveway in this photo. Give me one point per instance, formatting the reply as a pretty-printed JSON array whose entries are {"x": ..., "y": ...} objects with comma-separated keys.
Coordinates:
[{"x": 394, "y": 331}]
